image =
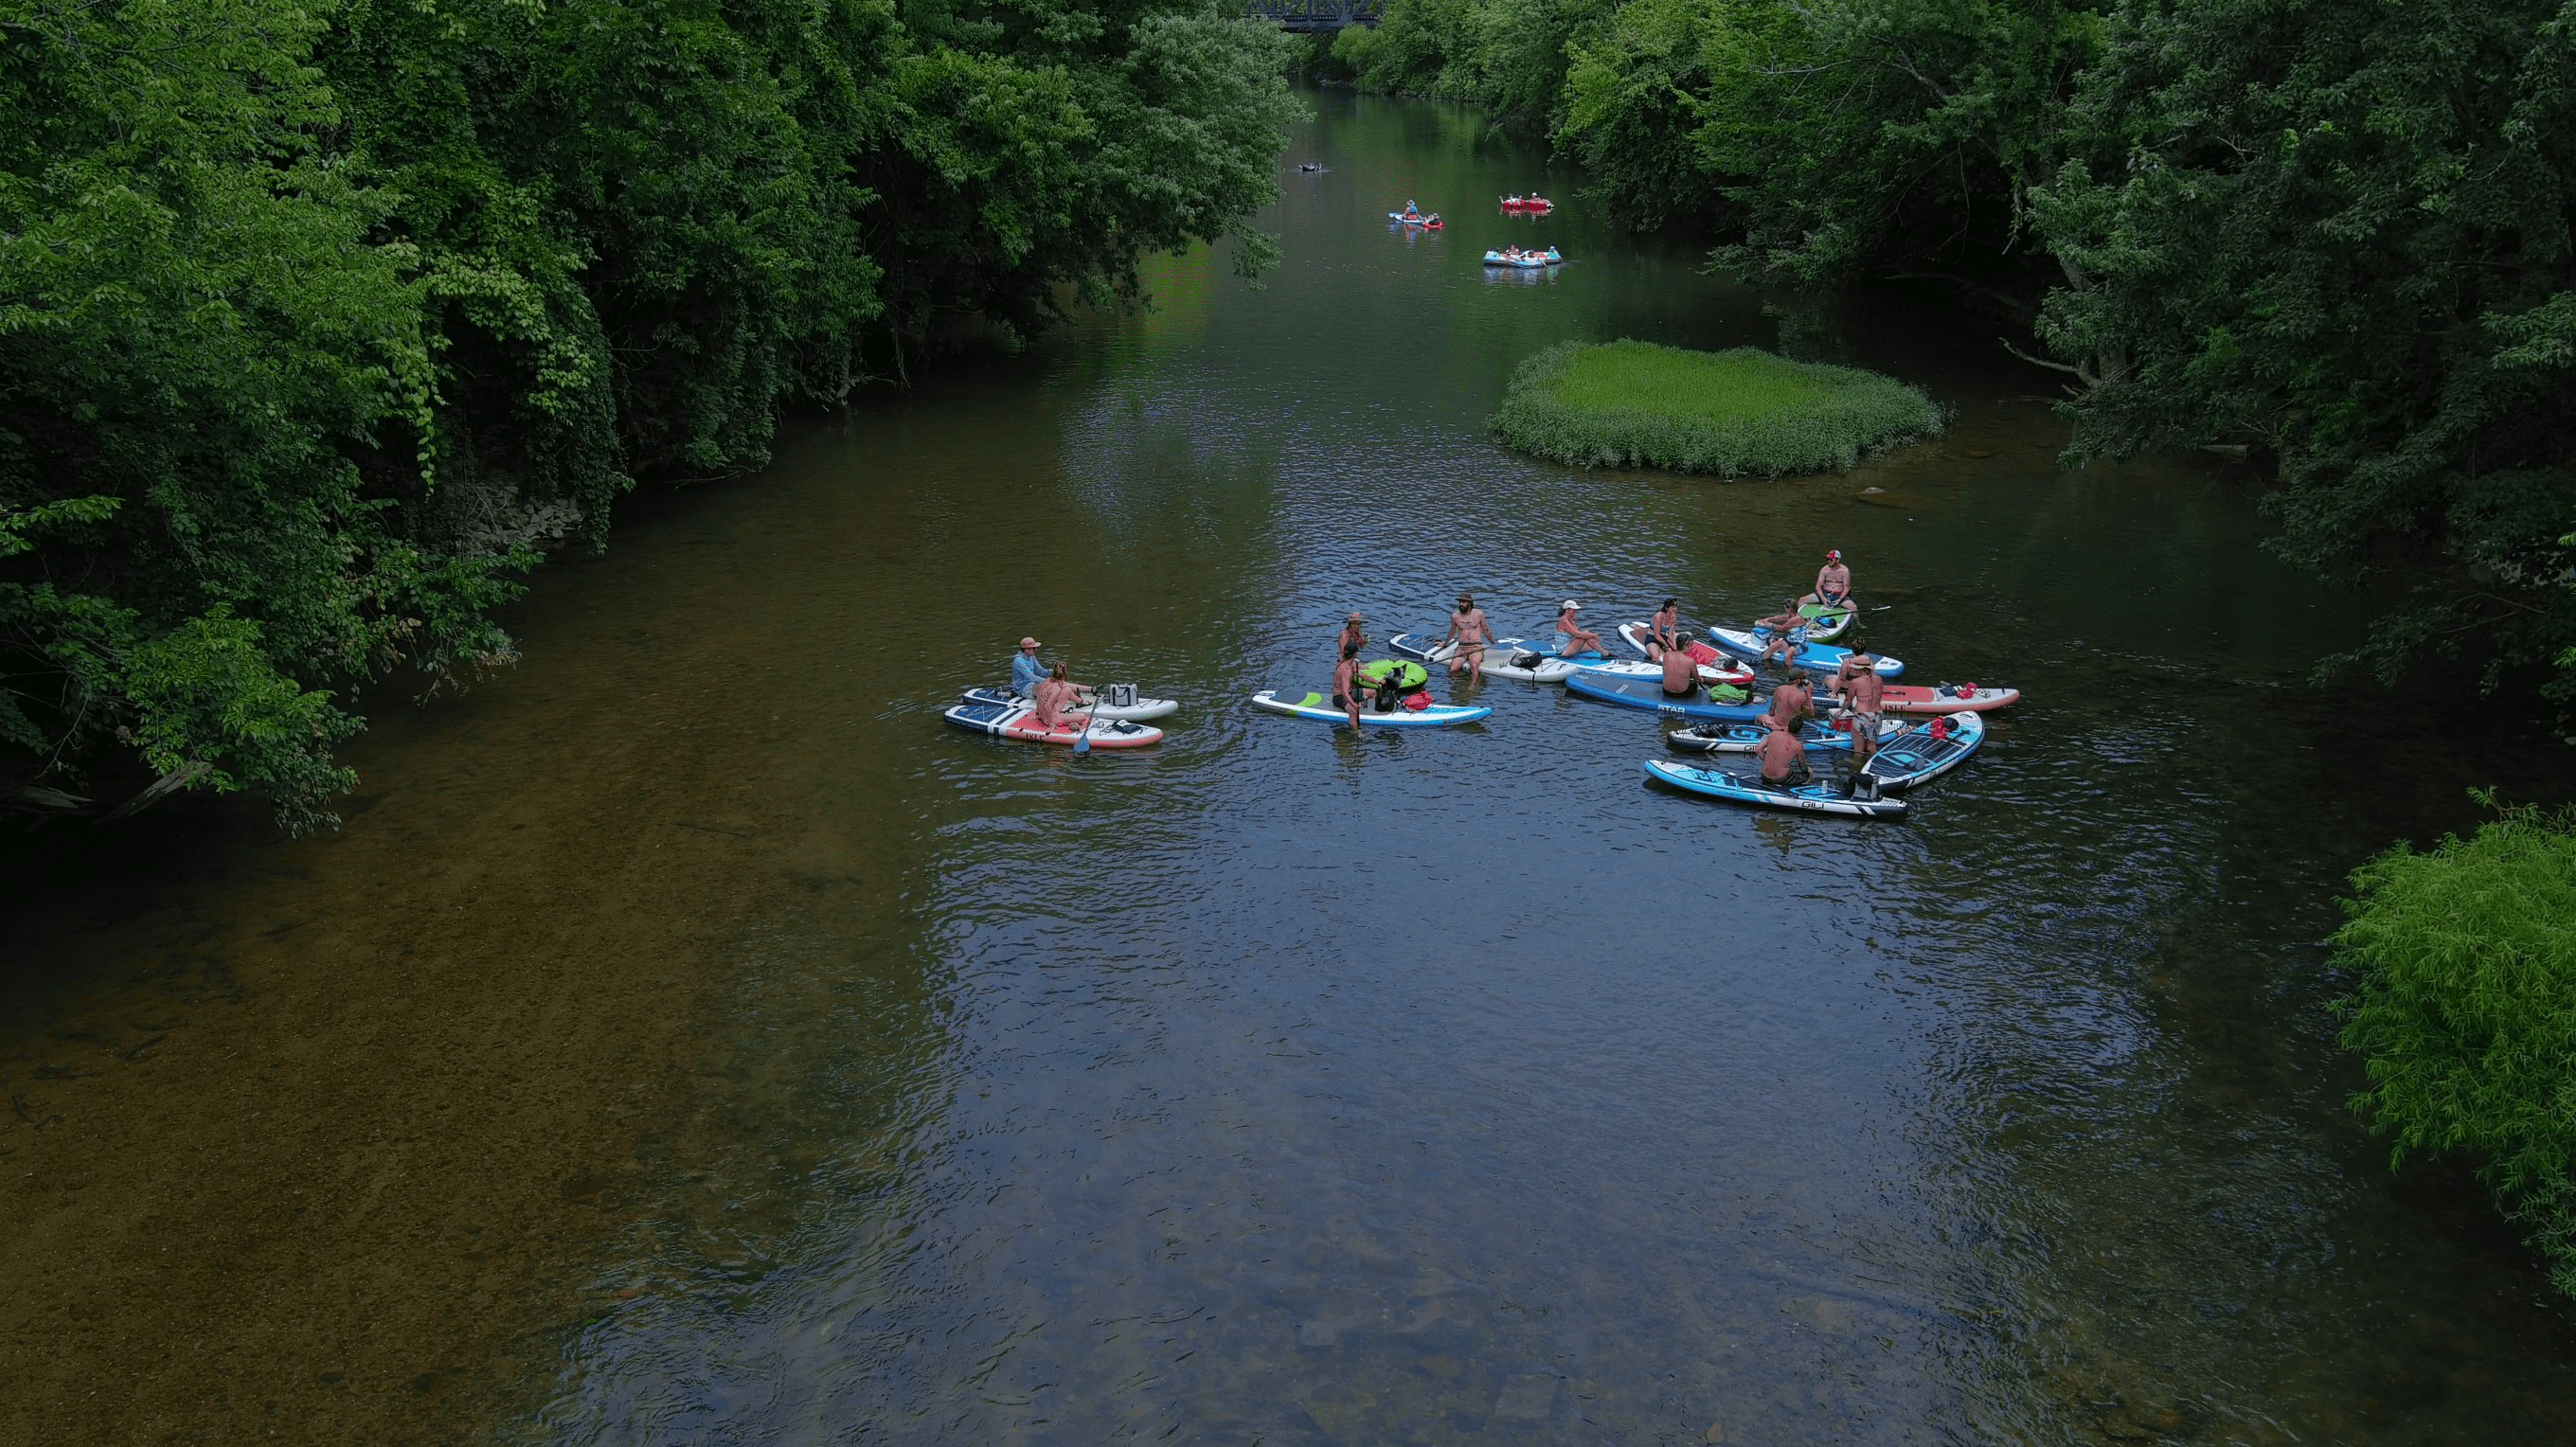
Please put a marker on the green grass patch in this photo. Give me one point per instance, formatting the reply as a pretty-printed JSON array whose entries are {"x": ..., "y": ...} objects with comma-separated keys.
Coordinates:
[{"x": 1635, "y": 404}]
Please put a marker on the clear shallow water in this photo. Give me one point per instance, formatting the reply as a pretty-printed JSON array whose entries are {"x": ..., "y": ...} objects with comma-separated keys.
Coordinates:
[{"x": 1280, "y": 1085}]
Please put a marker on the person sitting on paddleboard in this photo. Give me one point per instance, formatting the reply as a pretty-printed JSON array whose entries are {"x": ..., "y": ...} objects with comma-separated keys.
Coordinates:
[
  {"x": 1346, "y": 688},
  {"x": 1865, "y": 694},
  {"x": 1578, "y": 639},
  {"x": 1833, "y": 582},
  {"x": 1660, "y": 628},
  {"x": 1055, "y": 695},
  {"x": 1026, "y": 672},
  {"x": 1783, "y": 755},
  {"x": 1469, "y": 630},
  {"x": 1681, "y": 676},
  {"x": 1788, "y": 630}
]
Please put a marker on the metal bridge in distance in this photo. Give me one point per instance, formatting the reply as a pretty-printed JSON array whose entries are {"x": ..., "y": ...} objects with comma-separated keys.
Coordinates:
[{"x": 1312, "y": 15}]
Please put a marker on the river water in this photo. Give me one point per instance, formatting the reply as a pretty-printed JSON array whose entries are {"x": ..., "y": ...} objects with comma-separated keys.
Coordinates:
[{"x": 1279, "y": 1085}]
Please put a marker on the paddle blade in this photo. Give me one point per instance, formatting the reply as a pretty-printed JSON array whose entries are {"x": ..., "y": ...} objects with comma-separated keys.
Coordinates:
[{"x": 1082, "y": 741}]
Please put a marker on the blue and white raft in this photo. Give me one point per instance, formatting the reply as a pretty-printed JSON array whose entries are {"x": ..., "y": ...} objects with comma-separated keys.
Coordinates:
[
  {"x": 1319, "y": 707},
  {"x": 1747, "y": 643},
  {"x": 1525, "y": 259},
  {"x": 1646, "y": 690},
  {"x": 1915, "y": 756},
  {"x": 1118, "y": 701}
]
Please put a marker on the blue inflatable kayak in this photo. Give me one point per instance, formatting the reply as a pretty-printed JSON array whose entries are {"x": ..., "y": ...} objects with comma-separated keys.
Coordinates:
[{"x": 1647, "y": 691}]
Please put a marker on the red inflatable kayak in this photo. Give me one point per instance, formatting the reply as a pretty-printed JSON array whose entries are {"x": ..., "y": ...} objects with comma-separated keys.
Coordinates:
[{"x": 1949, "y": 698}]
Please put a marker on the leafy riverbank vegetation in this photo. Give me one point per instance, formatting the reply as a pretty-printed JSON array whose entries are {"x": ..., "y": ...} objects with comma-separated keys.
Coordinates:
[
  {"x": 2329, "y": 236},
  {"x": 1740, "y": 411},
  {"x": 2466, "y": 1011},
  {"x": 318, "y": 322}
]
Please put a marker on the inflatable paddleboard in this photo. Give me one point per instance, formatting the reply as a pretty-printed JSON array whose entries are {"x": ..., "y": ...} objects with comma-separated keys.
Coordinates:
[
  {"x": 1821, "y": 657},
  {"x": 1019, "y": 721},
  {"x": 1635, "y": 634},
  {"x": 1137, "y": 712},
  {"x": 1916, "y": 756},
  {"x": 1830, "y": 622},
  {"x": 1742, "y": 738},
  {"x": 1947, "y": 698},
  {"x": 1817, "y": 798},
  {"x": 1647, "y": 691},
  {"x": 1504, "y": 657},
  {"x": 1319, "y": 707}
]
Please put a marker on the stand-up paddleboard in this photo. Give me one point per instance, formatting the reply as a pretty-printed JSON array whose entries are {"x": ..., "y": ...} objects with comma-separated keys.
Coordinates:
[
  {"x": 1504, "y": 657},
  {"x": 1817, "y": 798},
  {"x": 1647, "y": 691},
  {"x": 1319, "y": 707},
  {"x": 1915, "y": 755},
  {"x": 1947, "y": 698},
  {"x": 1714, "y": 737},
  {"x": 1019, "y": 721},
  {"x": 1735, "y": 674},
  {"x": 1827, "y": 621},
  {"x": 1105, "y": 706},
  {"x": 1747, "y": 643}
]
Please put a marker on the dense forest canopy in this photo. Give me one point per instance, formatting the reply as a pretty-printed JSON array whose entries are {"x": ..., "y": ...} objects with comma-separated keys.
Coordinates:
[
  {"x": 2330, "y": 235},
  {"x": 319, "y": 320}
]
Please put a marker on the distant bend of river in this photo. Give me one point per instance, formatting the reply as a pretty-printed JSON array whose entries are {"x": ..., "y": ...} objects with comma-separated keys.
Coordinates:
[{"x": 691, "y": 1040}]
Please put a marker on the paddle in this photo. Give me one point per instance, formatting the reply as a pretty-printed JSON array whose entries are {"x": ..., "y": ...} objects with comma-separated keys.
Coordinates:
[{"x": 1082, "y": 745}]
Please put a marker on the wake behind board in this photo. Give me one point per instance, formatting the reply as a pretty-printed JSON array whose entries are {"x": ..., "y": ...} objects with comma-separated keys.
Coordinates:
[
  {"x": 1747, "y": 643},
  {"x": 1319, "y": 707},
  {"x": 1806, "y": 798},
  {"x": 1647, "y": 691},
  {"x": 1506, "y": 657},
  {"x": 1137, "y": 712},
  {"x": 1019, "y": 721}
]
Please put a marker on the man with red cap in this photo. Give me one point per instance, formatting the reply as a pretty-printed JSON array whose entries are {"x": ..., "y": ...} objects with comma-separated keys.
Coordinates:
[{"x": 1833, "y": 582}]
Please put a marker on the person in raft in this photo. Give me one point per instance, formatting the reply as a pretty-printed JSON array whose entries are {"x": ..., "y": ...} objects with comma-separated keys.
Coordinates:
[
  {"x": 1346, "y": 688},
  {"x": 1056, "y": 696},
  {"x": 1783, "y": 755},
  {"x": 1469, "y": 629},
  {"x": 1661, "y": 627},
  {"x": 1788, "y": 630},
  {"x": 1681, "y": 675},
  {"x": 1865, "y": 694},
  {"x": 1579, "y": 640},
  {"x": 1833, "y": 582}
]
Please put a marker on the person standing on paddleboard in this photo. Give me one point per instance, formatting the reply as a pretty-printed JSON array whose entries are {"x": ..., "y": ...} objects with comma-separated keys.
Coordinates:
[
  {"x": 1471, "y": 632},
  {"x": 1579, "y": 640},
  {"x": 1833, "y": 582},
  {"x": 1346, "y": 685}
]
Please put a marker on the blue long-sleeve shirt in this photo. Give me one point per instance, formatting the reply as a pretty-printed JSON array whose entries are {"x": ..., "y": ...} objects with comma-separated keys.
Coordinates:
[{"x": 1025, "y": 673}]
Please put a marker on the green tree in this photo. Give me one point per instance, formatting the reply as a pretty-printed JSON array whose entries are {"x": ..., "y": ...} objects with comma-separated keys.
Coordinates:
[{"x": 2465, "y": 1011}]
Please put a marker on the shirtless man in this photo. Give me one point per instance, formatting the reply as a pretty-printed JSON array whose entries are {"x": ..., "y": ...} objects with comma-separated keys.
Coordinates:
[
  {"x": 1865, "y": 693},
  {"x": 1788, "y": 630},
  {"x": 1856, "y": 663},
  {"x": 1346, "y": 686},
  {"x": 1833, "y": 581},
  {"x": 1579, "y": 640},
  {"x": 1791, "y": 703},
  {"x": 1681, "y": 676},
  {"x": 1469, "y": 630},
  {"x": 1055, "y": 695},
  {"x": 1701, "y": 655},
  {"x": 1660, "y": 629},
  {"x": 1783, "y": 755}
]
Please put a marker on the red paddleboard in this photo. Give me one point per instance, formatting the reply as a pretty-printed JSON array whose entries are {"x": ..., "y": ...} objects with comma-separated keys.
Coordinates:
[{"x": 1915, "y": 698}]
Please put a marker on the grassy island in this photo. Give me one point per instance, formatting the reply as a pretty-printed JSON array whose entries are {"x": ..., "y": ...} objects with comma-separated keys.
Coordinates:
[{"x": 1637, "y": 404}]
